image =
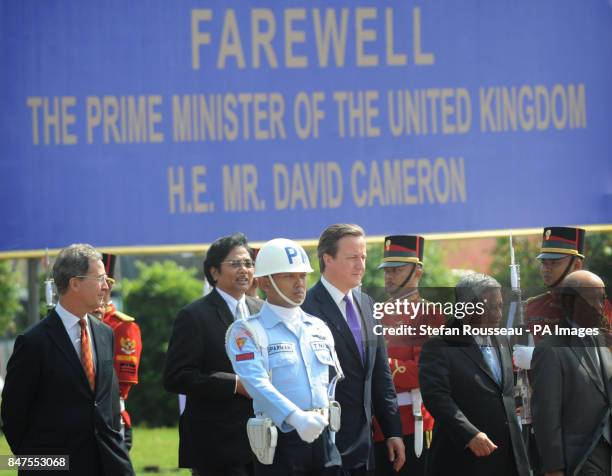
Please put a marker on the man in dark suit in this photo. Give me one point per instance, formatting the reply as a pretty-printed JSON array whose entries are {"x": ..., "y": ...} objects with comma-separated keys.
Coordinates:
[
  {"x": 363, "y": 357},
  {"x": 213, "y": 437},
  {"x": 61, "y": 395},
  {"x": 572, "y": 383},
  {"x": 468, "y": 386}
]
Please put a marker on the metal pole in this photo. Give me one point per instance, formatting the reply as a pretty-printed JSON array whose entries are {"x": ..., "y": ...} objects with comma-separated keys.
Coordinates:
[{"x": 33, "y": 306}]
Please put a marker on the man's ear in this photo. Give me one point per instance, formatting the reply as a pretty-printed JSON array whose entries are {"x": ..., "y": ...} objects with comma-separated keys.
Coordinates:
[
  {"x": 74, "y": 284},
  {"x": 327, "y": 258},
  {"x": 577, "y": 264},
  {"x": 214, "y": 272}
]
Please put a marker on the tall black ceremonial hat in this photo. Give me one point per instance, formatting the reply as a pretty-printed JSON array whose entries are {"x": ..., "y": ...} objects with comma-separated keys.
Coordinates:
[
  {"x": 109, "y": 262},
  {"x": 402, "y": 249},
  {"x": 561, "y": 241}
]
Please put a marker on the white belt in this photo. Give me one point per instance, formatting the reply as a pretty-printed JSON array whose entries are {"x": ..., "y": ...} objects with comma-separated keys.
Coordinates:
[{"x": 404, "y": 398}]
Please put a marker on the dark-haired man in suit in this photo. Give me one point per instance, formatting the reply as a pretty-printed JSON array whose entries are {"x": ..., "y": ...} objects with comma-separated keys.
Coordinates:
[
  {"x": 367, "y": 387},
  {"x": 212, "y": 429}
]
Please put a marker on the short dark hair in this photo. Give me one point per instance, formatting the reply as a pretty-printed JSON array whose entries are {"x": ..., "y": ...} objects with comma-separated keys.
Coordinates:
[
  {"x": 219, "y": 250},
  {"x": 72, "y": 261},
  {"x": 328, "y": 241}
]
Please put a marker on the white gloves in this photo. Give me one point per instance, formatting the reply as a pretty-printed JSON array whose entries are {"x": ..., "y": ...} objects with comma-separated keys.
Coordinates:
[
  {"x": 309, "y": 425},
  {"x": 522, "y": 356}
]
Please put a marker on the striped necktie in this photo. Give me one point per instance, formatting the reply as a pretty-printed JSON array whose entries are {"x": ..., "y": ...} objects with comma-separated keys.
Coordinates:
[{"x": 87, "y": 355}]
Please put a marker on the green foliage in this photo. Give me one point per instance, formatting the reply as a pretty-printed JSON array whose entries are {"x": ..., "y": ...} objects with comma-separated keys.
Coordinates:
[
  {"x": 526, "y": 250},
  {"x": 599, "y": 256},
  {"x": 435, "y": 273},
  {"x": 154, "y": 298},
  {"x": 9, "y": 297}
]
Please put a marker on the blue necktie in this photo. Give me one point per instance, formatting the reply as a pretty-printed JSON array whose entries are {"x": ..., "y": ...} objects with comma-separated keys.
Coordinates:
[
  {"x": 354, "y": 325},
  {"x": 487, "y": 353}
]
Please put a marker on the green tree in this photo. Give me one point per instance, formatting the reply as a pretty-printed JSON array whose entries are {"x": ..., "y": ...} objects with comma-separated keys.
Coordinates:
[
  {"x": 599, "y": 256},
  {"x": 154, "y": 298},
  {"x": 526, "y": 250},
  {"x": 10, "y": 306}
]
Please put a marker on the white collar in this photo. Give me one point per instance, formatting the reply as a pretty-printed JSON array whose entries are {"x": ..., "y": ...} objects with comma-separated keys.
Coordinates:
[
  {"x": 334, "y": 292},
  {"x": 483, "y": 340},
  {"x": 68, "y": 319},
  {"x": 286, "y": 313},
  {"x": 231, "y": 301}
]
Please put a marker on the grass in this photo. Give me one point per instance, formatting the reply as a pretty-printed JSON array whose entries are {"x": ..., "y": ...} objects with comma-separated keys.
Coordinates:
[{"x": 153, "y": 447}]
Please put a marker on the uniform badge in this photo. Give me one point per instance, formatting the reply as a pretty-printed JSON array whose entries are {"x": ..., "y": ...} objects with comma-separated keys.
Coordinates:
[
  {"x": 547, "y": 234},
  {"x": 128, "y": 346},
  {"x": 387, "y": 244},
  {"x": 241, "y": 337},
  {"x": 240, "y": 341}
]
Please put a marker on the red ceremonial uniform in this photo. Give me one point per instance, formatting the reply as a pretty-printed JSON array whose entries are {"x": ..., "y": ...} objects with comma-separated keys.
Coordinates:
[
  {"x": 542, "y": 310},
  {"x": 404, "y": 351},
  {"x": 545, "y": 310},
  {"x": 128, "y": 347}
]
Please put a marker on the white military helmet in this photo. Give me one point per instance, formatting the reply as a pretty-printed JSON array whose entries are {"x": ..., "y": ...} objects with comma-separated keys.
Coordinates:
[{"x": 281, "y": 256}]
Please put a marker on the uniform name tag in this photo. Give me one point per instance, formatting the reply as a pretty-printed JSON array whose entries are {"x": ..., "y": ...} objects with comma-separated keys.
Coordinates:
[
  {"x": 282, "y": 347},
  {"x": 319, "y": 345}
]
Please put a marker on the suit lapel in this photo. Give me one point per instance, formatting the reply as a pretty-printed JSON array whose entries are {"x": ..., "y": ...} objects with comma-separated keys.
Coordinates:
[
  {"x": 366, "y": 325},
  {"x": 335, "y": 319},
  {"x": 60, "y": 338},
  {"x": 100, "y": 346},
  {"x": 577, "y": 346},
  {"x": 223, "y": 311},
  {"x": 473, "y": 352},
  {"x": 505, "y": 363}
]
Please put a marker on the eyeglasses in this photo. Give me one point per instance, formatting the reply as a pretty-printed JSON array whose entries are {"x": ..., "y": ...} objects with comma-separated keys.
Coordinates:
[
  {"x": 238, "y": 263},
  {"x": 101, "y": 279}
]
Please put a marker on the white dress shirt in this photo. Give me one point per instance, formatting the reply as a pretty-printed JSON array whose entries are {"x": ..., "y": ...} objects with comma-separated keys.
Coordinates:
[
  {"x": 233, "y": 304},
  {"x": 338, "y": 297},
  {"x": 73, "y": 328}
]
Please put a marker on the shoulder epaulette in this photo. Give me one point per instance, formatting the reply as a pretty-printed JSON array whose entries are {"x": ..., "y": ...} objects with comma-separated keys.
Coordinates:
[{"x": 124, "y": 317}]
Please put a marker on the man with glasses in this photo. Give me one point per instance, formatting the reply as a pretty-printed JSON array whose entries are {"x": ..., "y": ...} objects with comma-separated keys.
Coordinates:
[
  {"x": 212, "y": 429},
  {"x": 61, "y": 392}
]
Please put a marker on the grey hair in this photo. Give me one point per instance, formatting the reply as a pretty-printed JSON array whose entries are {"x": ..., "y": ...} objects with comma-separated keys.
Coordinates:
[
  {"x": 473, "y": 286},
  {"x": 73, "y": 261}
]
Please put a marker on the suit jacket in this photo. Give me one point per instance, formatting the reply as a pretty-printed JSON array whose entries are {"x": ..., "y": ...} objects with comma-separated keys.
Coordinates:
[
  {"x": 461, "y": 393},
  {"x": 367, "y": 386},
  {"x": 48, "y": 406},
  {"x": 212, "y": 428},
  {"x": 571, "y": 400}
]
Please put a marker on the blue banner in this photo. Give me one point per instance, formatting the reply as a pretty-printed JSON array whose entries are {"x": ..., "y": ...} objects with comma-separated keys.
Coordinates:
[{"x": 152, "y": 123}]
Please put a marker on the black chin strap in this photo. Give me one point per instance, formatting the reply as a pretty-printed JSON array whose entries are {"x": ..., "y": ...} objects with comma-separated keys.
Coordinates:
[
  {"x": 565, "y": 273},
  {"x": 414, "y": 267}
]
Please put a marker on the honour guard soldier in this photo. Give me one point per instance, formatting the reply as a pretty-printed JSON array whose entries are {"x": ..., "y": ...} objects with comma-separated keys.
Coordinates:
[
  {"x": 128, "y": 346},
  {"x": 285, "y": 357},
  {"x": 403, "y": 268},
  {"x": 562, "y": 252}
]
